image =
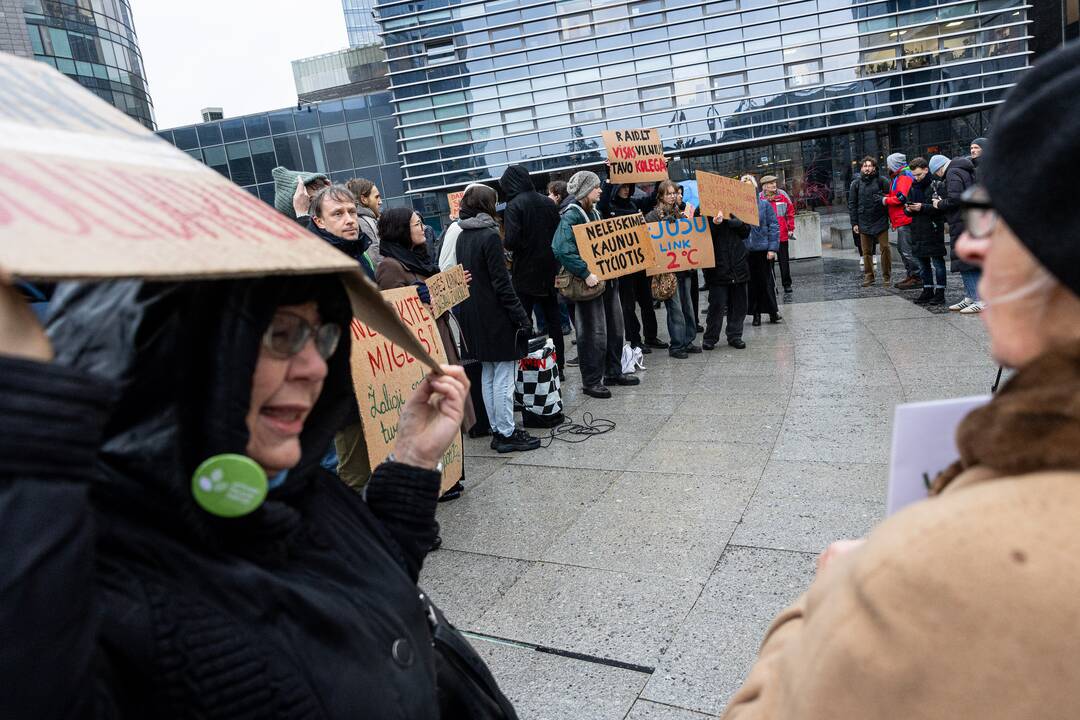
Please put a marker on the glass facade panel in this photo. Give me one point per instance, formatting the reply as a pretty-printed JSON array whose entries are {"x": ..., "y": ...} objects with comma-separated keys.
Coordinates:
[{"x": 706, "y": 74}]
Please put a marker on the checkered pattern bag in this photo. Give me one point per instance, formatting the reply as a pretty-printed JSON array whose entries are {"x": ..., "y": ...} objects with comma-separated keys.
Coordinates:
[{"x": 537, "y": 389}]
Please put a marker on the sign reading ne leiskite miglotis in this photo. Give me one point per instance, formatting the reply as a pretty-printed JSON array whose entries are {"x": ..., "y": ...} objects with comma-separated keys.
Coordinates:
[
  {"x": 615, "y": 247},
  {"x": 683, "y": 244},
  {"x": 635, "y": 156},
  {"x": 385, "y": 375},
  {"x": 727, "y": 196}
]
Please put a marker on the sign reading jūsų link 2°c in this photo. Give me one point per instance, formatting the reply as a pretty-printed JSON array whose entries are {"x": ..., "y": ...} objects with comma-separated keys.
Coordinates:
[
  {"x": 635, "y": 156},
  {"x": 683, "y": 244},
  {"x": 615, "y": 247}
]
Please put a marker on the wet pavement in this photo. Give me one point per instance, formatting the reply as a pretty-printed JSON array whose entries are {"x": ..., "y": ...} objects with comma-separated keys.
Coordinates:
[{"x": 633, "y": 575}]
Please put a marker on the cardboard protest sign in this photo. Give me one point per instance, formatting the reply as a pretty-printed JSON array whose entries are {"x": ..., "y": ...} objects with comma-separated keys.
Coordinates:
[
  {"x": 447, "y": 289},
  {"x": 89, "y": 193},
  {"x": 683, "y": 244},
  {"x": 615, "y": 247},
  {"x": 728, "y": 196},
  {"x": 454, "y": 199},
  {"x": 635, "y": 156},
  {"x": 385, "y": 374}
]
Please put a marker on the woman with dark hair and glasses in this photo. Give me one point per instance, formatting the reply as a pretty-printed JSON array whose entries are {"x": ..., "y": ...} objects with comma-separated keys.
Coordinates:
[
  {"x": 405, "y": 262},
  {"x": 173, "y": 548},
  {"x": 964, "y": 605},
  {"x": 494, "y": 325}
]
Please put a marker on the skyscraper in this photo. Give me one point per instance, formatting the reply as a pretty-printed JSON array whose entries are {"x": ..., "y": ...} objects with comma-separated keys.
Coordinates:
[
  {"x": 360, "y": 22},
  {"x": 93, "y": 42},
  {"x": 797, "y": 88}
]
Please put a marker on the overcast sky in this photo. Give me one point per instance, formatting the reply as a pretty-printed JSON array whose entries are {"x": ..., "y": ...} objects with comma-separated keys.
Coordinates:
[{"x": 230, "y": 53}]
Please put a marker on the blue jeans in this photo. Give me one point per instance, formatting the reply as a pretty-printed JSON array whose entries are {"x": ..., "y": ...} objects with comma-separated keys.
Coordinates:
[
  {"x": 933, "y": 279},
  {"x": 681, "y": 324},
  {"x": 497, "y": 382},
  {"x": 971, "y": 282}
]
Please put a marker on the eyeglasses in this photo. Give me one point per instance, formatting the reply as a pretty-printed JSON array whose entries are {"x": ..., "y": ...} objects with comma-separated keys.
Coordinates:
[
  {"x": 978, "y": 213},
  {"x": 289, "y": 333}
]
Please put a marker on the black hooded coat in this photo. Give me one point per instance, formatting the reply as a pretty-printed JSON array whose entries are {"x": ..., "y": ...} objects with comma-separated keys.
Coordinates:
[
  {"x": 529, "y": 223},
  {"x": 120, "y": 597}
]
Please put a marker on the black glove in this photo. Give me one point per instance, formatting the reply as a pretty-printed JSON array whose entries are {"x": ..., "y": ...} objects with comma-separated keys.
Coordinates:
[{"x": 422, "y": 291}]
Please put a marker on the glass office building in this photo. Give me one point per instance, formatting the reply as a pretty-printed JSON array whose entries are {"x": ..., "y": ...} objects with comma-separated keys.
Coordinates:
[
  {"x": 360, "y": 22},
  {"x": 732, "y": 85},
  {"x": 345, "y": 138},
  {"x": 93, "y": 42}
]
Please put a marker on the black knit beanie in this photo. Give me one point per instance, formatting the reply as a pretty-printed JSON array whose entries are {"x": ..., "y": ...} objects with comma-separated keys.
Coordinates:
[{"x": 1037, "y": 135}]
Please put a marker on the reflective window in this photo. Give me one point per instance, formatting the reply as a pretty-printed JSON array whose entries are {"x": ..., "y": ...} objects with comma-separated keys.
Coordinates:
[
  {"x": 240, "y": 168},
  {"x": 209, "y": 134}
]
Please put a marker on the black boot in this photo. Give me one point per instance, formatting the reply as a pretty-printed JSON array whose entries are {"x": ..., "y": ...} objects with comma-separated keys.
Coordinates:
[
  {"x": 757, "y": 321},
  {"x": 939, "y": 297},
  {"x": 926, "y": 297},
  {"x": 519, "y": 440},
  {"x": 774, "y": 318}
]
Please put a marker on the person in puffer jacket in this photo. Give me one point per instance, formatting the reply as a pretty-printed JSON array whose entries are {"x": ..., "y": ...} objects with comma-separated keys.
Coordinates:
[
  {"x": 785, "y": 215},
  {"x": 763, "y": 244}
]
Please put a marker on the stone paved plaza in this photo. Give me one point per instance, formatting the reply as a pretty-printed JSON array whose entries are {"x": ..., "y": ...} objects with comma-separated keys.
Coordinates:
[{"x": 633, "y": 575}]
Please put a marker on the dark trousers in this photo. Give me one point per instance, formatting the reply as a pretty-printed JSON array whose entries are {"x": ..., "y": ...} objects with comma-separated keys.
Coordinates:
[
  {"x": 599, "y": 327},
  {"x": 636, "y": 289},
  {"x": 762, "y": 288},
  {"x": 695, "y": 289},
  {"x": 785, "y": 267},
  {"x": 727, "y": 300},
  {"x": 549, "y": 307}
]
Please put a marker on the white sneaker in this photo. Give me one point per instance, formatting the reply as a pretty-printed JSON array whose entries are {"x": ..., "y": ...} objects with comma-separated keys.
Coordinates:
[
  {"x": 975, "y": 307},
  {"x": 958, "y": 307}
]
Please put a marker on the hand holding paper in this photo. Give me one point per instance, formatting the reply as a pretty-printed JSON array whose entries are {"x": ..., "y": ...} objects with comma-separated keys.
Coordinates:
[{"x": 431, "y": 418}]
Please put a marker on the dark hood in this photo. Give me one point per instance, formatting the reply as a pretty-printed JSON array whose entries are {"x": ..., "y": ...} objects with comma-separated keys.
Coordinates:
[
  {"x": 962, "y": 163},
  {"x": 515, "y": 181},
  {"x": 182, "y": 356},
  {"x": 624, "y": 204}
]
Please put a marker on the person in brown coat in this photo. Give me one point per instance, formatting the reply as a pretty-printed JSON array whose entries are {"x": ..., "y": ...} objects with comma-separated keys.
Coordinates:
[
  {"x": 964, "y": 605},
  {"x": 405, "y": 261}
]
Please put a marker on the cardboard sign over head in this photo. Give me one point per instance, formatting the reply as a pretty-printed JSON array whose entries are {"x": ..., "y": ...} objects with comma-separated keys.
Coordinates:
[
  {"x": 615, "y": 247},
  {"x": 385, "y": 375},
  {"x": 86, "y": 193},
  {"x": 727, "y": 196},
  {"x": 683, "y": 244},
  {"x": 635, "y": 156}
]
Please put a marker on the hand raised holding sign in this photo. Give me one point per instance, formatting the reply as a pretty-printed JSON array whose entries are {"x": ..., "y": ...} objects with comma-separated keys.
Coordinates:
[
  {"x": 301, "y": 200},
  {"x": 431, "y": 418}
]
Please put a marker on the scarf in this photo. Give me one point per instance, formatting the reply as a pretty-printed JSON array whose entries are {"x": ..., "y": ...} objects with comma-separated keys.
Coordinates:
[
  {"x": 1032, "y": 425},
  {"x": 415, "y": 259}
]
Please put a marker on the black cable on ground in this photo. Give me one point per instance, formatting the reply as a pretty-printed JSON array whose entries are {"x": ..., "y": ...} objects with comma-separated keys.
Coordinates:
[
  {"x": 572, "y": 432},
  {"x": 997, "y": 380}
]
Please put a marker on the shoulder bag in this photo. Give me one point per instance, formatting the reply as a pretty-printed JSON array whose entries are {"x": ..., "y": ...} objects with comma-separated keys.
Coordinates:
[
  {"x": 574, "y": 289},
  {"x": 663, "y": 286}
]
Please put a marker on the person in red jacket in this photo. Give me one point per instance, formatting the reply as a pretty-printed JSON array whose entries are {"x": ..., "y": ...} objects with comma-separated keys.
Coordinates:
[
  {"x": 785, "y": 215},
  {"x": 901, "y": 179}
]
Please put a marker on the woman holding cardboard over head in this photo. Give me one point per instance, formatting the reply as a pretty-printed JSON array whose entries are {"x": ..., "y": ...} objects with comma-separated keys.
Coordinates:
[
  {"x": 964, "y": 605},
  {"x": 173, "y": 548},
  {"x": 597, "y": 312}
]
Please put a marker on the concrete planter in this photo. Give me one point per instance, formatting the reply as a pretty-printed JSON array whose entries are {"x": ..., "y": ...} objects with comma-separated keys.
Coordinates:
[{"x": 807, "y": 242}]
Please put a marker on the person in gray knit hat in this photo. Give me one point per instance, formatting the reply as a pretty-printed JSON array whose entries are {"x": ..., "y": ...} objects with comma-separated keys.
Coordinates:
[{"x": 598, "y": 322}]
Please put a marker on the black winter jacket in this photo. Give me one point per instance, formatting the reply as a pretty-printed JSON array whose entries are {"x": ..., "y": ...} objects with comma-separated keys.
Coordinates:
[
  {"x": 729, "y": 246},
  {"x": 865, "y": 206},
  {"x": 611, "y": 205},
  {"x": 494, "y": 324},
  {"x": 120, "y": 597},
  {"x": 353, "y": 248},
  {"x": 927, "y": 225},
  {"x": 529, "y": 223},
  {"x": 959, "y": 176}
]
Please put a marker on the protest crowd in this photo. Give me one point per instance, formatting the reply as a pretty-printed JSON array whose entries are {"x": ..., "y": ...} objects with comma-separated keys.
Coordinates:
[{"x": 122, "y": 579}]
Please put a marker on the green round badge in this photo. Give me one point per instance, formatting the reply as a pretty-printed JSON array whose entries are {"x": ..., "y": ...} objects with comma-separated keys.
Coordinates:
[{"x": 229, "y": 485}]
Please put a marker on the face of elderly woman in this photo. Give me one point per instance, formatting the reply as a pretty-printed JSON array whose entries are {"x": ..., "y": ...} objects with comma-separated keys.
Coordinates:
[
  {"x": 284, "y": 389},
  {"x": 1027, "y": 310}
]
